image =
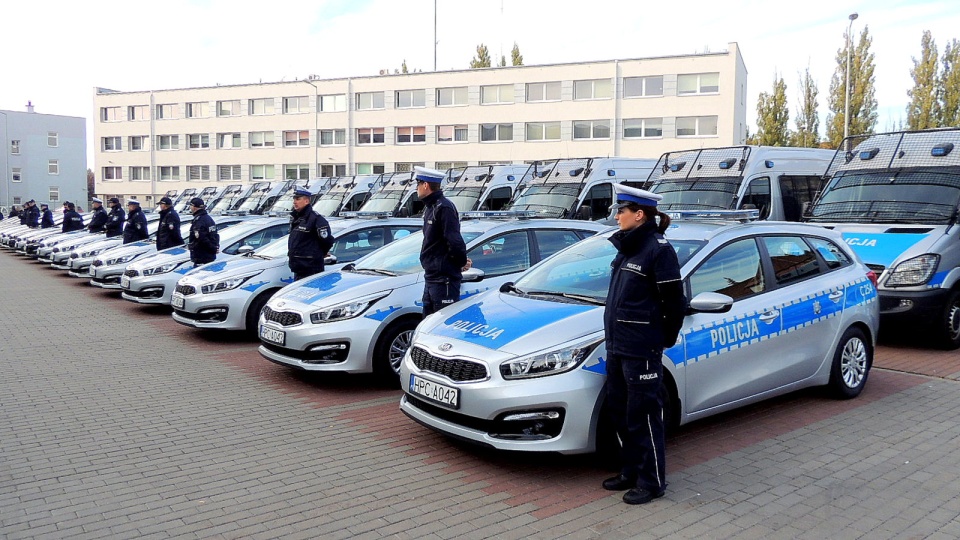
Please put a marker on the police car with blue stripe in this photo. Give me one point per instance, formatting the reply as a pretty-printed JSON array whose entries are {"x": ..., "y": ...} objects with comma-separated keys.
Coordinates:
[{"x": 774, "y": 307}]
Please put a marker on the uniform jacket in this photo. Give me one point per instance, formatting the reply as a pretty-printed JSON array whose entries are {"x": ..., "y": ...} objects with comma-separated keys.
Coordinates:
[
  {"x": 136, "y": 227},
  {"x": 443, "y": 252},
  {"x": 98, "y": 221},
  {"x": 115, "y": 219},
  {"x": 204, "y": 241},
  {"x": 168, "y": 233},
  {"x": 33, "y": 217},
  {"x": 46, "y": 219},
  {"x": 309, "y": 242},
  {"x": 72, "y": 221},
  {"x": 645, "y": 302}
]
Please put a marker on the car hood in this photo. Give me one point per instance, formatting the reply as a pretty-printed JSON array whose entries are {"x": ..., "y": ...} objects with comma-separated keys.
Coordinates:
[
  {"x": 174, "y": 254},
  {"x": 123, "y": 250},
  {"x": 883, "y": 244},
  {"x": 103, "y": 243},
  {"x": 335, "y": 287},
  {"x": 231, "y": 267}
]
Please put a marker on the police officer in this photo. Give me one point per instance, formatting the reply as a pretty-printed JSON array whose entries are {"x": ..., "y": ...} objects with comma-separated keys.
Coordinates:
[
  {"x": 72, "y": 221},
  {"x": 14, "y": 213},
  {"x": 168, "y": 233},
  {"x": 46, "y": 216},
  {"x": 310, "y": 237},
  {"x": 98, "y": 220},
  {"x": 204, "y": 242},
  {"x": 135, "y": 229},
  {"x": 115, "y": 218},
  {"x": 443, "y": 253},
  {"x": 643, "y": 315}
]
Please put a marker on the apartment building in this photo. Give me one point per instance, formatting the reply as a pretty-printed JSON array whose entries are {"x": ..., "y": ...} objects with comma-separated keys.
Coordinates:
[{"x": 152, "y": 141}]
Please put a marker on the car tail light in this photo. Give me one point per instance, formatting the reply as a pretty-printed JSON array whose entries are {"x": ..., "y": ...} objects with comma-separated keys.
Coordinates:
[{"x": 872, "y": 276}]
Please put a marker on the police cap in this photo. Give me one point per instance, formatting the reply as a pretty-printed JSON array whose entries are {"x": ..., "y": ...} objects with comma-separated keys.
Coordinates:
[
  {"x": 627, "y": 195},
  {"x": 166, "y": 201},
  {"x": 196, "y": 201},
  {"x": 134, "y": 202},
  {"x": 114, "y": 200},
  {"x": 96, "y": 200},
  {"x": 422, "y": 174},
  {"x": 301, "y": 192}
]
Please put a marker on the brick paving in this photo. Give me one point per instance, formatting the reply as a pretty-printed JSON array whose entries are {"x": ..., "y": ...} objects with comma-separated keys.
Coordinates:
[{"x": 117, "y": 422}]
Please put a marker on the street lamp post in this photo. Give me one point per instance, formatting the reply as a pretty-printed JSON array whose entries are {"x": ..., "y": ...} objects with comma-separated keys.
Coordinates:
[{"x": 846, "y": 106}]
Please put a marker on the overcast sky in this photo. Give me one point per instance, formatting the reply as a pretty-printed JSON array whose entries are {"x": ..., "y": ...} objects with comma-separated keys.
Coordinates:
[{"x": 56, "y": 51}]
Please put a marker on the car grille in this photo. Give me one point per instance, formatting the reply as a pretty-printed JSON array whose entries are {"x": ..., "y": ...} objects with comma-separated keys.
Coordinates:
[
  {"x": 131, "y": 273},
  {"x": 454, "y": 369},
  {"x": 284, "y": 318},
  {"x": 186, "y": 290},
  {"x": 97, "y": 263}
]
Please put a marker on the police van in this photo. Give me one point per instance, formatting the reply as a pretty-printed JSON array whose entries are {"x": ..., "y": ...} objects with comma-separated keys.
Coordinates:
[
  {"x": 347, "y": 194},
  {"x": 224, "y": 200},
  {"x": 895, "y": 198},
  {"x": 484, "y": 187},
  {"x": 259, "y": 197},
  {"x": 397, "y": 195},
  {"x": 779, "y": 182}
]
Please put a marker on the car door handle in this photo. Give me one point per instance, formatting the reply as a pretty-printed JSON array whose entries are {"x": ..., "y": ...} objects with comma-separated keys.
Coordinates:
[
  {"x": 837, "y": 295},
  {"x": 769, "y": 316}
]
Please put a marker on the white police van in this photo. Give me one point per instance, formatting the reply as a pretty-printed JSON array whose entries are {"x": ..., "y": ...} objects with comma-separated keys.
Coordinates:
[
  {"x": 347, "y": 194},
  {"x": 484, "y": 187},
  {"x": 895, "y": 198}
]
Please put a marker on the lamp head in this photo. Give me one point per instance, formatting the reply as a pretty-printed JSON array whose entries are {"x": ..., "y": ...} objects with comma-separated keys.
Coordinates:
[{"x": 853, "y": 16}]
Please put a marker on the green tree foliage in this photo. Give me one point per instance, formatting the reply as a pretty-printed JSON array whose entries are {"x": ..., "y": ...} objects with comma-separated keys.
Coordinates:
[
  {"x": 773, "y": 116},
  {"x": 403, "y": 67},
  {"x": 863, "y": 100},
  {"x": 808, "y": 120},
  {"x": 482, "y": 59},
  {"x": 515, "y": 57},
  {"x": 923, "y": 111},
  {"x": 949, "y": 85},
  {"x": 503, "y": 61}
]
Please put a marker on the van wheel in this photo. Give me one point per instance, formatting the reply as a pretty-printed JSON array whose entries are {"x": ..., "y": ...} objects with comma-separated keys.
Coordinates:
[
  {"x": 851, "y": 364},
  {"x": 253, "y": 312},
  {"x": 950, "y": 324},
  {"x": 391, "y": 347}
]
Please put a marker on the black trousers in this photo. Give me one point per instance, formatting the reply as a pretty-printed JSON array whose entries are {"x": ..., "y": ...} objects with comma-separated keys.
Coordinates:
[
  {"x": 635, "y": 400},
  {"x": 439, "y": 295}
]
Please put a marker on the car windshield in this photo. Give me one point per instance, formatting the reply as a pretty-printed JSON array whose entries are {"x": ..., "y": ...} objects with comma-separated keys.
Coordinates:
[
  {"x": 401, "y": 256},
  {"x": 582, "y": 271},
  {"x": 464, "y": 198},
  {"x": 383, "y": 201},
  {"x": 553, "y": 200},
  {"x": 697, "y": 194},
  {"x": 928, "y": 197},
  {"x": 329, "y": 203}
]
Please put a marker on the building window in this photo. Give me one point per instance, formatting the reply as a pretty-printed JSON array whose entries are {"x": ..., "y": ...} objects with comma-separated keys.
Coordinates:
[
  {"x": 140, "y": 173},
  {"x": 228, "y": 140},
  {"x": 543, "y": 131},
  {"x": 138, "y": 112},
  {"x": 696, "y": 126},
  {"x": 329, "y": 171},
  {"x": 197, "y": 141},
  {"x": 261, "y": 172},
  {"x": 543, "y": 91},
  {"x": 53, "y": 166},
  {"x": 18, "y": 200},
  {"x": 333, "y": 103},
  {"x": 407, "y": 167},
  {"x": 261, "y": 139},
  {"x": 17, "y": 175},
  {"x": 110, "y": 114},
  {"x": 447, "y": 97},
  {"x": 296, "y": 172},
  {"x": 165, "y": 111},
  {"x": 137, "y": 143},
  {"x": 593, "y": 89},
  {"x": 642, "y": 86},
  {"x": 168, "y": 142},
  {"x": 54, "y": 193},
  {"x": 698, "y": 83},
  {"x": 407, "y": 135},
  {"x": 496, "y": 132},
  {"x": 199, "y": 109},
  {"x": 198, "y": 172},
  {"x": 369, "y": 100},
  {"x": 332, "y": 137},
  {"x": 294, "y": 105},
  {"x": 591, "y": 129},
  {"x": 169, "y": 172},
  {"x": 296, "y": 138},
  {"x": 411, "y": 98},
  {"x": 447, "y": 165},
  {"x": 228, "y": 108},
  {"x": 370, "y": 136},
  {"x": 500, "y": 93},
  {"x": 228, "y": 172},
  {"x": 370, "y": 168},
  {"x": 15, "y": 148},
  {"x": 261, "y": 106},
  {"x": 449, "y": 134},
  {"x": 642, "y": 128},
  {"x": 53, "y": 139},
  {"x": 112, "y": 173},
  {"x": 110, "y": 144}
]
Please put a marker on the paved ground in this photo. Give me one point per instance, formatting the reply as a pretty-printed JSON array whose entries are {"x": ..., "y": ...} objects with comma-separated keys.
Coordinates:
[{"x": 115, "y": 422}]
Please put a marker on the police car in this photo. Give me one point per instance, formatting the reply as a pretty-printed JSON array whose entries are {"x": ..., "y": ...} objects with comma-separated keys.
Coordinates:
[
  {"x": 56, "y": 249},
  {"x": 360, "y": 318},
  {"x": 774, "y": 307},
  {"x": 230, "y": 294}
]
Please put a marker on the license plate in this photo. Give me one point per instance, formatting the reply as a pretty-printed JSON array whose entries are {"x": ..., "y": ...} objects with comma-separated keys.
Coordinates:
[
  {"x": 92, "y": 271},
  {"x": 273, "y": 336},
  {"x": 438, "y": 393},
  {"x": 176, "y": 300},
  {"x": 124, "y": 282}
]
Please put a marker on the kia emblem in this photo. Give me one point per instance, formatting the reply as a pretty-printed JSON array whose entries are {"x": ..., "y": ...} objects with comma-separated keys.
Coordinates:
[
  {"x": 445, "y": 347},
  {"x": 280, "y": 304}
]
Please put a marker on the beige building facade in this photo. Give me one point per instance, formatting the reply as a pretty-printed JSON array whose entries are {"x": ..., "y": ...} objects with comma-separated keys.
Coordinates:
[{"x": 149, "y": 142}]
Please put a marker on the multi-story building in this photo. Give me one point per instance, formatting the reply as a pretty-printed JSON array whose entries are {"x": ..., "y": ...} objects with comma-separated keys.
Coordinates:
[
  {"x": 45, "y": 158},
  {"x": 152, "y": 141}
]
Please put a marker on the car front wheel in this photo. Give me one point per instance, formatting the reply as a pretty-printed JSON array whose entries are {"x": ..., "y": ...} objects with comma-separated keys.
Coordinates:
[{"x": 851, "y": 364}]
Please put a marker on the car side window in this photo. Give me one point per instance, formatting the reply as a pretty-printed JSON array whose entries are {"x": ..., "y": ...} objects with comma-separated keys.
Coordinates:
[
  {"x": 831, "y": 253},
  {"x": 733, "y": 270},
  {"x": 351, "y": 246},
  {"x": 757, "y": 196},
  {"x": 502, "y": 255},
  {"x": 397, "y": 233},
  {"x": 552, "y": 241},
  {"x": 793, "y": 260}
]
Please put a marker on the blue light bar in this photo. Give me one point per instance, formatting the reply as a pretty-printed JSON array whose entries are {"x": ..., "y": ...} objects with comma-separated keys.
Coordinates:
[
  {"x": 727, "y": 163},
  {"x": 611, "y": 172},
  {"x": 941, "y": 150},
  {"x": 677, "y": 166},
  {"x": 869, "y": 153},
  {"x": 713, "y": 215},
  {"x": 768, "y": 164}
]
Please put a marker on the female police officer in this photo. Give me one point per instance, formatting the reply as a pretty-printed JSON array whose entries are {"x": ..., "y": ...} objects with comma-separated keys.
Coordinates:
[{"x": 643, "y": 315}]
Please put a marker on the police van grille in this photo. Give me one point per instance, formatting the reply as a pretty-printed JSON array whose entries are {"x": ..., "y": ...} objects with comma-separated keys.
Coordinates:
[
  {"x": 186, "y": 290},
  {"x": 455, "y": 369},
  {"x": 284, "y": 318},
  {"x": 131, "y": 273}
]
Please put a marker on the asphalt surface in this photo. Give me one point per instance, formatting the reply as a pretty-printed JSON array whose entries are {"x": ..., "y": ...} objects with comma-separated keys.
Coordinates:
[{"x": 116, "y": 422}]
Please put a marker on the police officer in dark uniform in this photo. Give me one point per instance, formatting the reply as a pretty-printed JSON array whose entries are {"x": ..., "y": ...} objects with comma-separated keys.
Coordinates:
[
  {"x": 136, "y": 228},
  {"x": 46, "y": 216},
  {"x": 115, "y": 219},
  {"x": 14, "y": 213},
  {"x": 643, "y": 315},
  {"x": 168, "y": 233},
  {"x": 204, "y": 242},
  {"x": 72, "y": 221},
  {"x": 310, "y": 237},
  {"x": 98, "y": 220},
  {"x": 443, "y": 253}
]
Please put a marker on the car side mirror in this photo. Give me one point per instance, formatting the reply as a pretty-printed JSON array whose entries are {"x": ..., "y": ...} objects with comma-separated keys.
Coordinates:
[
  {"x": 506, "y": 287},
  {"x": 244, "y": 250},
  {"x": 472, "y": 275},
  {"x": 330, "y": 259},
  {"x": 711, "y": 302}
]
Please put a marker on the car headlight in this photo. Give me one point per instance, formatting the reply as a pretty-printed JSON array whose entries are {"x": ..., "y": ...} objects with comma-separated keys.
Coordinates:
[
  {"x": 346, "y": 310},
  {"x": 162, "y": 269},
  {"x": 91, "y": 253},
  {"x": 549, "y": 363},
  {"x": 226, "y": 284},
  {"x": 120, "y": 260},
  {"x": 915, "y": 271}
]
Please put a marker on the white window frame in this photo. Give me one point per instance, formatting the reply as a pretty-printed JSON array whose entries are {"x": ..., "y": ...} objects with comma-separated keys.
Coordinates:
[
  {"x": 302, "y": 171},
  {"x": 198, "y": 173},
  {"x": 644, "y": 82},
  {"x": 259, "y": 172},
  {"x": 407, "y": 166},
  {"x": 53, "y": 139},
  {"x": 331, "y": 170},
  {"x": 498, "y": 131},
  {"x": 54, "y": 193},
  {"x": 296, "y": 104},
  {"x": 232, "y": 173},
  {"x": 139, "y": 174},
  {"x": 411, "y": 133},
  {"x": 447, "y": 165},
  {"x": 166, "y": 111},
  {"x": 302, "y": 138},
  {"x": 543, "y": 88},
  {"x": 338, "y": 136},
  {"x": 138, "y": 112},
  {"x": 16, "y": 174},
  {"x": 53, "y": 167},
  {"x": 698, "y": 82},
  {"x": 110, "y": 114},
  {"x": 497, "y": 94},
  {"x": 228, "y": 107},
  {"x": 545, "y": 128},
  {"x": 172, "y": 142},
  {"x": 261, "y": 139},
  {"x": 112, "y": 174},
  {"x": 417, "y": 99},
  {"x": 235, "y": 141},
  {"x": 198, "y": 141},
  {"x": 369, "y": 101},
  {"x": 140, "y": 145},
  {"x": 699, "y": 126},
  {"x": 198, "y": 109},
  {"x": 606, "y": 86},
  {"x": 168, "y": 173},
  {"x": 111, "y": 144},
  {"x": 260, "y": 106},
  {"x": 370, "y": 168},
  {"x": 332, "y": 103},
  {"x": 593, "y": 130},
  {"x": 456, "y": 129},
  {"x": 15, "y": 147},
  {"x": 642, "y": 124},
  {"x": 459, "y": 96},
  {"x": 373, "y": 132}
]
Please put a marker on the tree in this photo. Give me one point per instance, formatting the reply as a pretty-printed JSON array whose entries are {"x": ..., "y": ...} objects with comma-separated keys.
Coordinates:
[
  {"x": 515, "y": 57},
  {"x": 863, "y": 100},
  {"x": 482, "y": 60},
  {"x": 949, "y": 85},
  {"x": 923, "y": 111},
  {"x": 503, "y": 61},
  {"x": 808, "y": 120},
  {"x": 91, "y": 184},
  {"x": 773, "y": 116},
  {"x": 403, "y": 67}
]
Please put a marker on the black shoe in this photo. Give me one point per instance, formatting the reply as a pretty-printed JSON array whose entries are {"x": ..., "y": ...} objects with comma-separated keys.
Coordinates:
[
  {"x": 619, "y": 483},
  {"x": 641, "y": 496}
]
